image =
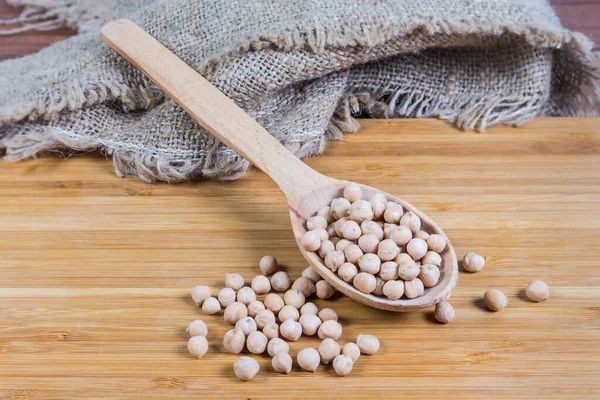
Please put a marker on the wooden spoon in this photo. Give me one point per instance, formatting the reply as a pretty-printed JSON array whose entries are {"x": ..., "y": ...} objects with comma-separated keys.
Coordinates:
[{"x": 306, "y": 190}]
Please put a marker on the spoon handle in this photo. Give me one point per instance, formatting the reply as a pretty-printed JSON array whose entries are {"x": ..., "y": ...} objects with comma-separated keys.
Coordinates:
[{"x": 213, "y": 110}]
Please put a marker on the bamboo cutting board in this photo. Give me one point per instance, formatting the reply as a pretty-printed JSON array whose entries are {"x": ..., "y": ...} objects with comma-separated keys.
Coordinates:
[{"x": 96, "y": 271}]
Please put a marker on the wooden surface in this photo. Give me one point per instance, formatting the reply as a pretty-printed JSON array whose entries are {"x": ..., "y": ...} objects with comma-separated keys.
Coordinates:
[{"x": 96, "y": 271}]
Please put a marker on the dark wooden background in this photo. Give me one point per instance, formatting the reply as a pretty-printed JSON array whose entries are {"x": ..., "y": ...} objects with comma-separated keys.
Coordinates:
[{"x": 580, "y": 15}]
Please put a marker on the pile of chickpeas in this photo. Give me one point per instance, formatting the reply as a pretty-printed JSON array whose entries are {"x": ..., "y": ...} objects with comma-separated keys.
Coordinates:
[
  {"x": 375, "y": 245},
  {"x": 265, "y": 321}
]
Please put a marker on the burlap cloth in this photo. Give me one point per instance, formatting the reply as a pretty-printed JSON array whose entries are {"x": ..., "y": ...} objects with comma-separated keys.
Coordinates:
[{"x": 303, "y": 69}]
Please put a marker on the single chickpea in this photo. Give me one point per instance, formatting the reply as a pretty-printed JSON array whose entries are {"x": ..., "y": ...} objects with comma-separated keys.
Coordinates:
[
  {"x": 234, "y": 312},
  {"x": 323, "y": 235},
  {"x": 339, "y": 207},
  {"x": 350, "y": 230},
  {"x": 334, "y": 259},
  {"x": 263, "y": 318},
  {"x": 197, "y": 328},
  {"x": 416, "y": 248},
  {"x": 200, "y": 293},
  {"x": 388, "y": 271},
  {"x": 378, "y": 291},
  {"x": 537, "y": 291},
  {"x": 327, "y": 314},
  {"x": 274, "y": 302},
  {"x": 304, "y": 286},
  {"x": 256, "y": 342},
  {"x": 422, "y": 235},
  {"x": 352, "y": 192},
  {"x": 361, "y": 210},
  {"x": 268, "y": 265},
  {"x": 234, "y": 341},
  {"x": 388, "y": 250},
  {"x": 364, "y": 282},
  {"x": 444, "y": 312},
  {"x": 368, "y": 243},
  {"x": 368, "y": 344},
  {"x": 369, "y": 263},
  {"x": 436, "y": 243},
  {"x": 342, "y": 365},
  {"x": 310, "y": 273},
  {"x": 246, "y": 368},
  {"x": 246, "y": 325},
  {"x": 226, "y": 296},
  {"x": 388, "y": 229},
  {"x": 326, "y": 247},
  {"x": 280, "y": 281},
  {"x": 282, "y": 362},
  {"x": 311, "y": 241},
  {"x": 495, "y": 300},
  {"x": 401, "y": 235},
  {"x": 324, "y": 289},
  {"x": 353, "y": 253},
  {"x": 288, "y": 312},
  {"x": 330, "y": 329},
  {"x": 401, "y": 257},
  {"x": 308, "y": 359},
  {"x": 316, "y": 222},
  {"x": 429, "y": 275},
  {"x": 342, "y": 244},
  {"x": 393, "y": 290},
  {"x": 291, "y": 330},
  {"x": 294, "y": 298},
  {"x": 271, "y": 331},
  {"x": 372, "y": 228},
  {"x": 414, "y": 288},
  {"x": 473, "y": 262},
  {"x": 328, "y": 350},
  {"x": 325, "y": 212},
  {"x": 197, "y": 346},
  {"x": 431, "y": 257},
  {"x": 234, "y": 281},
  {"x": 337, "y": 226},
  {"x": 211, "y": 306},
  {"x": 411, "y": 221},
  {"x": 378, "y": 202},
  {"x": 393, "y": 214},
  {"x": 309, "y": 308},
  {"x": 347, "y": 272},
  {"x": 310, "y": 324},
  {"x": 351, "y": 350},
  {"x": 246, "y": 295},
  {"x": 408, "y": 270}
]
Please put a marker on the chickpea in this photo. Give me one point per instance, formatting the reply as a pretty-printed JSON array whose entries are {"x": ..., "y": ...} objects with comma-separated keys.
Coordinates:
[
  {"x": 414, "y": 288},
  {"x": 288, "y": 312},
  {"x": 234, "y": 341},
  {"x": 280, "y": 281},
  {"x": 401, "y": 257},
  {"x": 393, "y": 290},
  {"x": 342, "y": 244},
  {"x": 342, "y": 365},
  {"x": 324, "y": 289},
  {"x": 256, "y": 342},
  {"x": 200, "y": 293},
  {"x": 372, "y": 228},
  {"x": 310, "y": 324},
  {"x": 271, "y": 331},
  {"x": 268, "y": 265},
  {"x": 234, "y": 281},
  {"x": 368, "y": 243},
  {"x": 422, "y": 235},
  {"x": 234, "y": 312},
  {"x": 388, "y": 229},
  {"x": 197, "y": 328},
  {"x": 361, "y": 210},
  {"x": 416, "y": 248},
  {"x": 211, "y": 306},
  {"x": 330, "y": 329},
  {"x": 311, "y": 240},
  {"x": 444, "y": 312},
  {"x": 291, "y": 330},
  {"x": 378, "y": 203},
  {"x": 350, "y": 230},
  {"x": 309, "y": 308},
  {"x": 304, "y": 286},
  {"x": 316, "y": 222},
  {"x": 325, "y": 212},
  {"x": 327, "y": 314},
  {"x": 388, "y": 250},
  {"x": 339, "y": 207},
  {"x": 328, "y": 350},
  {"x": 263, "y": 318},
  {"x": 411, "y": 221},
  {"x": 408, "y": 270},
  {"x": 274, "y": 302},
  {"x": 401, "y": 235},
  {"x": 351, "y": 350},
  {"x": 432, "y": 257},
  {"x": 352, "y": 253},
  {"x": 364, "y": 282},
  {"x": 326, "y": 247},
  {"x": 347, "y": 272},
  {"x": 246, "y": 295},
  {"x": 310, "y": 273},
  {"x": 378, "y": 291},
  {"x": 294, "y": 298},
  {"x": 261, "y": 284},
  {"x": 334, "y": 259},
  {"x": 436, "y": 243},
  {"x": 388, "y": 271},
  {"x": 246, "y": 325},
  {"x": 473, "y": 262},
  {"x": 352, "y": 192},
  {"x": 393, "y": 214},
  {"x": 368, "y": 344},
  {"x": 197, "y": 346},
  {"x": 331, "y": 232},
  {"x": 369, "y": 263},
  {"x": 246, "y": 368},
  {"x": 429, "y": 275},
  {"x": 537, "y": 291},
  {"x": 282, "y": 362},
  {"x": 308, "y": 359},
  {"x": 495, "y": 300}
]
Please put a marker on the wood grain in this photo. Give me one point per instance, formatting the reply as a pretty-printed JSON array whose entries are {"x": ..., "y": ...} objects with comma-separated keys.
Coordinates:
[{"x": 96, "y": 271}]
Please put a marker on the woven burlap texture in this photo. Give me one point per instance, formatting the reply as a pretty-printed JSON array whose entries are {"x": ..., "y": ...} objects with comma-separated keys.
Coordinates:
[{"x": 302, "y": 69}]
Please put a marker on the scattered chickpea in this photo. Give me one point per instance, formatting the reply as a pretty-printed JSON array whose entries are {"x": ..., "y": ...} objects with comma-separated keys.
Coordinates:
[
  {"x": 408, "y": 270},
  {"x": 495, "y": 300},
  {"x": 260, "y": 284},
  {"x": 234, "y": 281},
  {"x": 436, "y": 243},
  {"x": 361, "y": 210},
  {"x": 339, "y": 207},
  {"x": 401, "y": 235},
  {"x": 271, "y": 330},
  {"x": 256, "y": 342},
  {"x": 282, "y": 362},
  {"x": 197, "y": 328},
  {"x": 255, "y": 307},
  {"x": 311, "y": 241},
  {"x": 431, "y": 257},
  {"x": 197, "y": 346},
  {"x": 444, "y": 312},
  {"x": 310, "y": 273},
  {"x": 393, "y": 214},
  {"x": 416, "y": 248},
  {"x": 537, "y": 291},
  {"x": 324, "y": 289},
  {"x": 316, "y": 222},
  {"x": 308, "y": 359},
  {"x": 414, "y": 288},
  {"x": 274, "y": 302},
  {"x": 347, "y": 272},
  {"x": 246, "y": 368},
  {"x": 264, "y": 318},
  {"x": 288, "y": 312},
  {"x": 327, "y": 314},
  {"x": 246, "y": 325},
  {"x": 200, "y": 293},
  {"x": 372, "y": 228},
  {"x": 368, "y": 344},
  {"x": 246, "y": 295},
  {"x": 411, "y": 221},
  {"x": 309, "y": 308},
  {"x": 368, "y": 243},
  {"x": 234, "y": 341},
  {"x": 326, "y": 247},
  {"x": 350, "y": 230},
  {"x": 473, "y": 262},
  {"x": 234, "y": 312},
  {"x": 388, "y": 271},
  {"x": 352, "y": 192},
  {"x": 334, "y": 259},
  {"x": 364, "y": 282},
  {"x": 351, "y": 350},
  {"x": 294, "y": 298},
  {"x": 277, "y": 346},
  {"x": 268, "y": 265},
  {"x": 369, "y": 263},
  {"x": 353, "y": 252},
  {"x": 310, "y": 324},
  {"x": 328, "y": 350},
  {"x": 211, "y": 306},
  {"x": 304, "y": 286},
  {"x": 280, "y": 281},
  {"x": 290, "y": 329},
  {"x": 393, "y": 290},
  {"x": 429, "y": 275},
  {"x": 226, "y": 296},
  {"x": 342, "y": 365},
  {"x": 330, "y": 329}
]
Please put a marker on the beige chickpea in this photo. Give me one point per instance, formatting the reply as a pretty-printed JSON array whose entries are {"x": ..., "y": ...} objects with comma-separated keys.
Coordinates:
[
  {"x": 282, "y": 362},
  {"x": 316, "y": 222},
  {"x": 473, "y": 262},
  {"x": 429, "y": 275},
  {"x": 411, "y": 221},
  {"x": 323, "y": 235},
  {"x": 261, "y": 284},
  {"x": 444, "y": 312},
  {"x": 537, "y": 291},
  {"x": 328, "y": 350},
  {"x": 274, "y": 302},
  {"x": 288, "y": 312},
  {"x": 328, "y": 314},
  {"x": 268, "y": 265},
  {"x": 378, "y": 203},
  {"x": 308, "y": 359},
  {"x": 263, "y": 318},
  {"x": 352, "y": 192},
  {"x": 342, "y": 365},
  {"x": 337, "y": 226},
  {"x": 401, "y": 257},
  {"x": 422, "y": 235},
  {"x": 342, "y": 244},
  {"x": 280, "y": 281},
  {"x": 234, "y": 312},
  {"x": 304, "y": 286},
  {"x": 334, "y": 259},
  {"x": 197, "y": 346},
  {"x": 310, "y": 273},
  {"x": 387, "y": 250},
  {"x": 436, "y": 243},
  {"x": 393, "y": 290},
  {"x": 408, "y": 270},
  {"x": 325, "y": 212},
  {"x": 290, "y": 329},
  {"x": 226, "y": 296},
  {"x": 246, "y": 325},
  {"x": 351, "y": 350},
  {"x": 309, "y": 308},
  {"x": 431, "y": 257},
  {"x": 339, "y": 207},
  {"x": 310, "y": 324},
  {"x": 200, "y": 293},
  {"x": 294, "y": 298},
  {"x": 416, "y": 248},
  {"x": 368, "y": 344},
  {"x": 324, "y": 289},
  {"x": 256, "y": 342},
  {"x": 234, "y": 341},
  {"x": 246, "y": 295},
  {"x": 353, "y": 253},
  {"x": 361, "y": 210},
  {"x": 246, "y": 368},
  {"x": 368, "y": 243},
  {"x": 393, "y": 214},
  {"x": 211, "y": 306},
  {"x": 401, "y": 235},
  {"x": 311, "y": 240},
  {"x": 347, "y": 272},
  {"x": 364, "y": 282},
  {"x": 326, "y": 247},
  {"x": 197, "y": 328},
  {"x": 234, "y": 281},
  {"x": 271, "y": 330},
  {"x": 388, "y": 229},
  {"x": 372, "y": 228},
  {"x": 378, "y": 291},
  {"x": 369, "y": 263},
  {"x": 495, "y": 300},
  {"x": 350, "y": 230},
  {"x": 330, "y": 329},
  {"x": 414, "y": 288},
  {"x": 388, "y": 271}
]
